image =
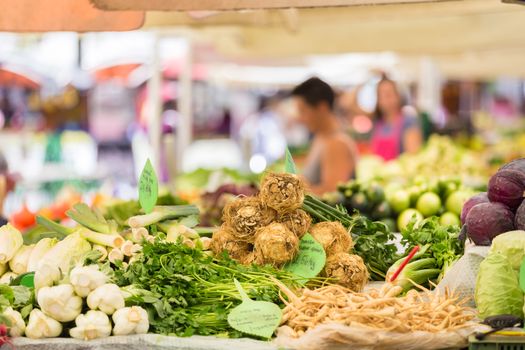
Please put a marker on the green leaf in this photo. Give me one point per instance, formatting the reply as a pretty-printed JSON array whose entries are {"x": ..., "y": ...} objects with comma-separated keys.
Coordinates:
[
  {"x": 289, "y": 163},
  {"x": 52, "y": 226},
  {"x": 190, "y": 221},
  {"x": 22, "y": 296},
  {"x": 89, "y": 218},
  {"x": 7, "y": 297},
  {"x": 26, "y": 310}
]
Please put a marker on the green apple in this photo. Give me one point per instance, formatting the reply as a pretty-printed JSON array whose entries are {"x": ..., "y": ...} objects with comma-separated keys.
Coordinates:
[
  {"x": 406, "y": 216},
  {"x": 449, "y": 219},
  {"x": 400, "y": 201},
  {"x": 456, "y": 200},
  {"x": 429, "y": 204}
]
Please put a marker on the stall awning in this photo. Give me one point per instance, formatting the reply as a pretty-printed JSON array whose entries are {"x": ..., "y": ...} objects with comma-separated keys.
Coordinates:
[
  {"x": 207, "y": 5},
  {"x": 64, "y": 15}
]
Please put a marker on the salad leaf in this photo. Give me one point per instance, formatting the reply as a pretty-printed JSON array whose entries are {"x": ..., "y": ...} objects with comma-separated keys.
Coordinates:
[{"x": 7, "y": 297}]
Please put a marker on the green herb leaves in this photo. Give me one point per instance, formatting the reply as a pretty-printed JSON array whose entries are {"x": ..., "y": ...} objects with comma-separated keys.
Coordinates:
[{"x": 195, "y": 291}]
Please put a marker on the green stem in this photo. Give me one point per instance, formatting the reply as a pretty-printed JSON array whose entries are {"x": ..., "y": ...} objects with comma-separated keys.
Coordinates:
[
  {"x": 161, "y": 213},
  {"x": 205, "y": 231},
  {"x": 326, "y": 211},
  {"x": 53, "y": 226},
  {"x": 314, "y": 213},
  {"x": 107, "y": 240}
]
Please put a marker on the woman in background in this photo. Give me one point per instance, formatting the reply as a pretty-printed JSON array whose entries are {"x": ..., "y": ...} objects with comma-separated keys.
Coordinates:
[{"x": 394, "y": 132}]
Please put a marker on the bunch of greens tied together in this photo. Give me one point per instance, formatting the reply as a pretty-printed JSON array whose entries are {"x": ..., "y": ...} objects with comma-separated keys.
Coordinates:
[
  {"x": 193, "y": 292},
  {"x": 440, "y": 248}
]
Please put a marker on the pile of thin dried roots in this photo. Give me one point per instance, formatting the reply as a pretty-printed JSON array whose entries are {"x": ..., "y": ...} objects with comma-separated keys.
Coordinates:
[{"x": 380, "y": 309}]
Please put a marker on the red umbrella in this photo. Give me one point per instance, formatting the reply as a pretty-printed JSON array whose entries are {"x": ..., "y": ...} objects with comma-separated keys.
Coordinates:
[
  {"x": 118, "y": 71},
  {"x": 11, "y": 78}
]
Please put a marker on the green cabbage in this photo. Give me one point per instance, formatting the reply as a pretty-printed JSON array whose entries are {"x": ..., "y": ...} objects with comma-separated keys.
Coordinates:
[
  {"x": 497, "y": 288},
  {"x": 512, "y": 245}
]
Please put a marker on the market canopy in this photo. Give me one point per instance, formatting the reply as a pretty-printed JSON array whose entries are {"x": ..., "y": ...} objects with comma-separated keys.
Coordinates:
[
  {"x": 466, "y": 38},
  {"x": 63, "y": 15},
  {"x": 207, "y": 5}
]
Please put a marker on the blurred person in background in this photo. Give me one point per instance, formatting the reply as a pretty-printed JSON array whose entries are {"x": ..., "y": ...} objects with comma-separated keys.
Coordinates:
[
  {"x": 333, "y": 155},
  {"x": 263, "y": 131},
  {"x": 394, "y": 132}
]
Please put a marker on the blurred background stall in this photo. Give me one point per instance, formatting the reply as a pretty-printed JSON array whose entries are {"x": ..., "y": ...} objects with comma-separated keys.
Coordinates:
[{"x": 205, "y": 94}]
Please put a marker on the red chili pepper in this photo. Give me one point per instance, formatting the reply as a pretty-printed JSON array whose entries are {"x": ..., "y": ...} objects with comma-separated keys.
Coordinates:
[{"x": 404, "y": 263}]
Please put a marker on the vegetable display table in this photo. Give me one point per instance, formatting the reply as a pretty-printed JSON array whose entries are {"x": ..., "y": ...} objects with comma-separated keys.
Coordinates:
[{"x": 140, "y": 342}]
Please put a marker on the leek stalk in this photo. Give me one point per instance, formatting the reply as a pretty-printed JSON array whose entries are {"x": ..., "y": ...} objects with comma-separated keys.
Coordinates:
[{"x": 161, "y": 213}]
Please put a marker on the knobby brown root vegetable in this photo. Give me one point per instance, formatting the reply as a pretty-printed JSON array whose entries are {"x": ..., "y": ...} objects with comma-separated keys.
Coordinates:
[
  {"x": 246, "y": 215},
  {"x": 429, "y": 312},
  {"x": 298, "y": 221},
  {"x": 348, "y": 270},
  {"x": 282, "y": 192},
  {"x": 224, "y": 240},
  {"x": 248, "y": 259},
  {"x": 275, "y": 244},
  {"x": 333, "y": 237}
]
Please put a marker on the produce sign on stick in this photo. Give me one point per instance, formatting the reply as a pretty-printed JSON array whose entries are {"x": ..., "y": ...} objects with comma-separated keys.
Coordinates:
[
  {"x": 289, "y": 163},
  {"x": 310, "y": 261},
  {"x": 259, "y": 318},
  {"x": 148, "y": 188}
]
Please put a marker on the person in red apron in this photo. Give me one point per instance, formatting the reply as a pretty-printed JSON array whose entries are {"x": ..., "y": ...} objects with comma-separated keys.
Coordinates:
[{"x": 394, "y": 133}]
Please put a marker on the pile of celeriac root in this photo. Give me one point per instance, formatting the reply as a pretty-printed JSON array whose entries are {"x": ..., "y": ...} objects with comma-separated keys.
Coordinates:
[{"x": 379, "y": 309}]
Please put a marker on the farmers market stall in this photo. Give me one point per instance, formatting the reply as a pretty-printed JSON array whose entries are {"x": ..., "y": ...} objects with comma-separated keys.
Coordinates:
[
  {"x": 423, "y": 252},
  {"x": 282, "y": 262}
]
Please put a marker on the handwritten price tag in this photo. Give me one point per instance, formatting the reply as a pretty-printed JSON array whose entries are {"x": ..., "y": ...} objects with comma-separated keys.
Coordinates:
[
  {"x": 310, "y": 261},
  {"x": 289, "y": 165},
  {"x": 148, "y": 188},
  {"x": 260, "y": 318}
]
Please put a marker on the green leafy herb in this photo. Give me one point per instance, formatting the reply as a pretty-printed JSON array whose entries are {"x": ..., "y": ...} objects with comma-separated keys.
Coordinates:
[
  {"x": 195, "y": 291},
  {"x": 373, "y": 242}
]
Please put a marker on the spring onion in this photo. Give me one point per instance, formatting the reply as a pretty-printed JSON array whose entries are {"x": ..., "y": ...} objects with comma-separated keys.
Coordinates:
[
  {"x": 416, "y": 272},
  {"x": 91, "y": 219},
  {"x": 161, "y": 213}
]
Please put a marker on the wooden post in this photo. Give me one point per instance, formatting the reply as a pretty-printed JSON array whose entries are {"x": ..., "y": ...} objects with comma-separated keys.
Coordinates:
[
  {"x": 155, "y": 106},
  {"x": 185, "y": 98}
]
